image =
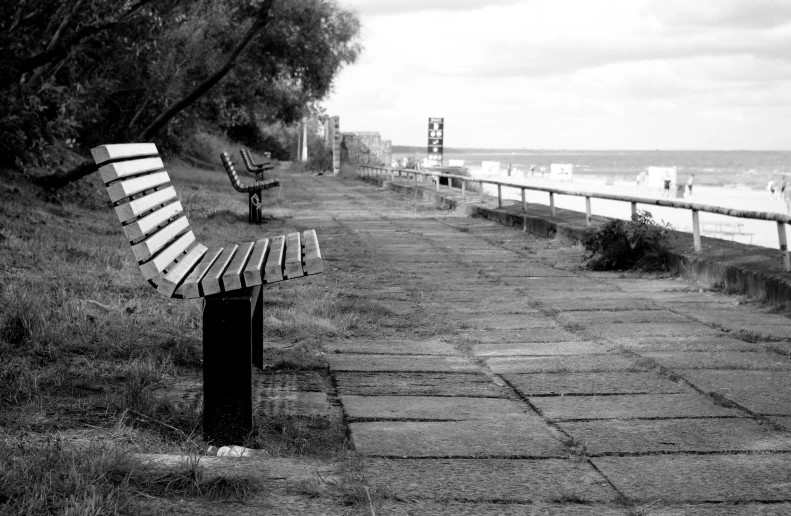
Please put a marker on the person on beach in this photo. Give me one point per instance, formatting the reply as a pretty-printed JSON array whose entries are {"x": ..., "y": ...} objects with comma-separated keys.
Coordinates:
[
  {"x": 666, "y": 186},
  {"x": 770, "y": 187},
  {"x": 688, "y": 187}
]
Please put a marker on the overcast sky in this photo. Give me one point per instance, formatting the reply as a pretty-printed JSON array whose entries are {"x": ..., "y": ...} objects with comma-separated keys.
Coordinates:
[{"x": 573, "y": 74}]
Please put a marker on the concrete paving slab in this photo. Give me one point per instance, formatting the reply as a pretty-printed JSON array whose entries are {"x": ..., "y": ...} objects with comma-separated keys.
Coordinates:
[
  {"x": 700, "y": 478},
  {"x": 417, "y": 384},
  {"x": 676, "y": 435},
  {"x": 509, "y": 322},
  {"x": 620, "y": 317},
  {"x": 615, "y": 382},
  {"x": 490, "y": 480},
  {"x": 504, "y": 437},
  {"x": 539, "y": 348},
  {"x": 570, "y": 408},
  {"x": 763, "y": 392},
  {"x": 736, "y": 316},
  {"x": 431, "y": 408},
  {"x": 733, "y": 509},
  {"x": 350, "y": 362},
  {"x": 424, "y": 507},
  {"x": 586, "y": 304},
  {"x": 629, "y": 332},
  {"x": 562, "y": 364},
  {"x": 721, "y": 360},
  {"x": 679, "y": 344},
  {"x": 783, "y": 421},
  {"x": 392, "y": 347},
  {"x": 519, "y": 336},
  {"x": 296, "y": 403},
  {"x": 529, "y": 272},
  {"x": 558, "y": 284},
  {"x": 763, "y": 331}
]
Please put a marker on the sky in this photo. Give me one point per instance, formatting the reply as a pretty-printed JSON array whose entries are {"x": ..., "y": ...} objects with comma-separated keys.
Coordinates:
[{"x": 572, "y": 74}]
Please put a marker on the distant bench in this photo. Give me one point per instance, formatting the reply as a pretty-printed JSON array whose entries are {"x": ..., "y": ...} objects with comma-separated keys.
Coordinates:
[
  {"x": 725, "y": 229},
  {"x": 257, "y": 168},
  {"x": 229, "y": 279},
  {"x": 254, "y": 198}
]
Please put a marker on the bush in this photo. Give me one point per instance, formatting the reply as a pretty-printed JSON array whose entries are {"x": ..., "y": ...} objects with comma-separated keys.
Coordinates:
[
  {"x": 640, "y": 243},
  {"x": 319, "y": 159}
]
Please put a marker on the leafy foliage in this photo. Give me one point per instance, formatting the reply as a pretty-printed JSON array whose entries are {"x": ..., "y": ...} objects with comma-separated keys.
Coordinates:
[
  {"x": 85, "y": 72},
  {"x": 640, "y": 243}
]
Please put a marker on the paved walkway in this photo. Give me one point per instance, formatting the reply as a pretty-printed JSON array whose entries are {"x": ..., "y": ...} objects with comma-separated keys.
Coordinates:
[{"x": 530, "y": 386}]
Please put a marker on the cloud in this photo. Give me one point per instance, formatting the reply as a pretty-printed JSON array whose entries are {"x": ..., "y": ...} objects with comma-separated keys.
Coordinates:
[
  {"x": 708, "y": 14},
  {"x": 380, "y": 7}
]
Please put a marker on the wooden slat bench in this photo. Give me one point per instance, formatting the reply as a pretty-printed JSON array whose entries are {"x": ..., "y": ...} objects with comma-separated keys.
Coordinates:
[
  {"x": 253, "y": 190},
  {"x": 257, "y": 168},
  {"x": 228, "y": 278}
]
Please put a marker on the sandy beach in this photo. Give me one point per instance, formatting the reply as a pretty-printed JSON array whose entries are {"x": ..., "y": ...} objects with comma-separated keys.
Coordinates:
[{"x": 747, "y": 231}]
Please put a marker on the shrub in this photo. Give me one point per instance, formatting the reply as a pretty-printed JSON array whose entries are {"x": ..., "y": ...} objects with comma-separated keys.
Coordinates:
[{"x": 640, "y": 243}]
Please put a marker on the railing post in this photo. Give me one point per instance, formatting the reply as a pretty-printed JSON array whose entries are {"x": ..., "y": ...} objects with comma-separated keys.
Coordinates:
[
  {"x": 499, "y": 195},
  {"x": 524, "y": 203},
  {"x": 552, "y": 203},
  {"x": 588, "y": 219},
  {"x": 450, "y": 184},
  {"x": 463, "y": 189},
  {"x": 481, "y": 184},
  {"x": 781, "y": 235},
  {"x": 437, "y": 178},
  {"x": 696, "y": 230},
  {"x": 634, "y": 209}
]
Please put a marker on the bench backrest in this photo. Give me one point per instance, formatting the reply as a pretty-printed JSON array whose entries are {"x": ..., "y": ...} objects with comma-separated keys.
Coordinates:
[
  {"x": 228, "y": 164},
  {"x": 248, "y": 161},
  {"x": 148, "y": 208}
]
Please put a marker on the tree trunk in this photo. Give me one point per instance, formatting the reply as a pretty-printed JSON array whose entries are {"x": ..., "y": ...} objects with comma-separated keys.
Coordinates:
[
  {"x": 181, "y": 104},
  {"x": 61, "y": 180}
]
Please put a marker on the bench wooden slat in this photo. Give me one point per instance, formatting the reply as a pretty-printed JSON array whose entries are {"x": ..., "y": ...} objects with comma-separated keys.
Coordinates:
[
  {"x": 190, "y": 288},
  {"x": 147, "y": 224},
  {"x": 123, "y": 189},
  {"x": 104, "y": 153},
  {"x": 232, "y": 277},
  {"x": 175, "y": 276},
  {"x": 252, "y": 273},
  {"x": 160, "y": 262},
  {"x": 293, "y": 265},
  {"x": 121, "y": 169},
  {"x": 134, "y": 209},
  {"x": 150, "y": 246},
  {"x": 312, "y": 261},
  {"x": 210, "y": 284},
  {"x": 273, "y": 270}
]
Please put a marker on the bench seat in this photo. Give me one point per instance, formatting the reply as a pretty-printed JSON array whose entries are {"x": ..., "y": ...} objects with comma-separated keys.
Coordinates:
[{"x": 238, "y": 185}]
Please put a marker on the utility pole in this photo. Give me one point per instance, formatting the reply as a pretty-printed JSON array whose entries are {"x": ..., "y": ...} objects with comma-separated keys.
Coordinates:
[{"x": 304, "y": 140}]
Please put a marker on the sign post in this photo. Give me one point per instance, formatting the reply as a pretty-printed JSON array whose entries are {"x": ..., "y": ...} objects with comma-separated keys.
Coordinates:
[{"x": 436, "y": 132}]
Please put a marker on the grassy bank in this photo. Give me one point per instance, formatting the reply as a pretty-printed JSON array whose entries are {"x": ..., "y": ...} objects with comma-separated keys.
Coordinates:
[{"x": 90, "y": 354}]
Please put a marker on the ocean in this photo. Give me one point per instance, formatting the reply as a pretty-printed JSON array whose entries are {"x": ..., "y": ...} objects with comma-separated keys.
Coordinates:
[{"x": 751, "y": 169}]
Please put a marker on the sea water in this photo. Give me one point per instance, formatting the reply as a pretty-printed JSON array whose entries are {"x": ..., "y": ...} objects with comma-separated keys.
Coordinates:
[{"x": 751, "y": 169}]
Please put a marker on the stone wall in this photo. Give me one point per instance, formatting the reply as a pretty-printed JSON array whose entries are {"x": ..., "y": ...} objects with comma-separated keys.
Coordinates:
[{"x": 365, "y": 147}]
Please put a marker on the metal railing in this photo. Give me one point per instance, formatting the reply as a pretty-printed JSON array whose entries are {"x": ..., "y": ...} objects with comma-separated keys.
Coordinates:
[{"x": 412, "y": 175}]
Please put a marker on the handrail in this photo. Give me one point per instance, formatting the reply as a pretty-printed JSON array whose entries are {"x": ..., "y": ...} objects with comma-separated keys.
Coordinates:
[{"x": 779, "y": 218}]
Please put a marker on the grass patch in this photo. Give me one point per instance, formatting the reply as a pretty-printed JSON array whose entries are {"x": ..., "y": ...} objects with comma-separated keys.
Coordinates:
[
  {"x": 99, "y": 478},
  {"x": 283, "y": 435}
]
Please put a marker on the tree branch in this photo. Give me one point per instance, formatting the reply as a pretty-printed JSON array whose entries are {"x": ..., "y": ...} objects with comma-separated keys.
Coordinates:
[{"x": 261, "y": 21}]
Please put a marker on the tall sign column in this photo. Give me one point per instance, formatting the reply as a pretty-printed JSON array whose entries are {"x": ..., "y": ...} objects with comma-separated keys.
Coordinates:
[{"x": 435, "y": 139}]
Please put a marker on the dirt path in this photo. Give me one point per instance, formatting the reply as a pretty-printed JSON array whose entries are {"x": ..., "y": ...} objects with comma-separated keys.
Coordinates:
[{"x": 506, "y": 380}]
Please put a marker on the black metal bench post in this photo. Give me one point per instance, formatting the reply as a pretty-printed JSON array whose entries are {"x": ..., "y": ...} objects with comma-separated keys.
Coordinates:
[
  {"x": 230, "y": 327},
  {"x": 254, "y": 201}
]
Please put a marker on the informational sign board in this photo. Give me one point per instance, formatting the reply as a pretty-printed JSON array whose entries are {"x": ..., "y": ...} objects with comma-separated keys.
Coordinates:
[
  {"x": 436, "y": 135},
  {"x": 490, "y": 168},
  {"x": 658, "y": 175},
  {"x": 456, "y": 163},
  {"x": 561, "y": 171}
]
